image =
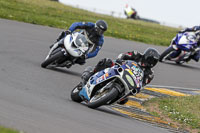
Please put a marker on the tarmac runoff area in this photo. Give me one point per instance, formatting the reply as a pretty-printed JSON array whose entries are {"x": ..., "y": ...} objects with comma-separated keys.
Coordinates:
[{"x": 134, "y": 107}]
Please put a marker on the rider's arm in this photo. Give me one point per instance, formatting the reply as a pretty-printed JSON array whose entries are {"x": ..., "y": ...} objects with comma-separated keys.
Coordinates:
[
  {"x": 195, "y": 28},
  {"x": 134, "y": 55},
  {"x": 148, "y": 76},
  {"x": 103, "y": 63},
  {"x": 81, "y": 25},
  {"x": 94, "y": 53}
]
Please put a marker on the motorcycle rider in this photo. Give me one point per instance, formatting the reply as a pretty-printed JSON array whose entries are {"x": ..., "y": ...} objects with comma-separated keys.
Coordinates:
[
  {"x": 193, "y": 29},
  {"x": 196, "y": 55},
  {"x": 130, "y": 12},
  {"x": 93, "y": 33},
  {"x": 146, "y": 61}
]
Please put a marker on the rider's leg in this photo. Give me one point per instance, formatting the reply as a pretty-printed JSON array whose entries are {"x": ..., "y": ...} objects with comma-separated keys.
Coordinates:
[
  {"x": 102, "y": 64},
  {"x": 80, "y": 60},
  {"x": 196, "y": 56},
  {"x": 61, "y": 36},
  {"x": 87, "y": 73}
]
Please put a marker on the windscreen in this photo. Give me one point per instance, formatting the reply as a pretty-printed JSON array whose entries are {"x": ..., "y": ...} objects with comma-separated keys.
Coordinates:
[{"x": 80, "y": 39}]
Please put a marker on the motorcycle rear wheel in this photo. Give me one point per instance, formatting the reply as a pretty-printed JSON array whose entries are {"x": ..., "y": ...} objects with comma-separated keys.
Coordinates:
[
  {"x": 165, "y": 53},
  {"x": 110, "y": 95},
  {"x": 51, "y": 59}
]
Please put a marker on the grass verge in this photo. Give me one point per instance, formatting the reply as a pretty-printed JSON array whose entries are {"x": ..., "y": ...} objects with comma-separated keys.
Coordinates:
[
  {"x": 7, "y": 130},
  {"x": 54, "y": 14},
  {"x": 181, "y": 111}
]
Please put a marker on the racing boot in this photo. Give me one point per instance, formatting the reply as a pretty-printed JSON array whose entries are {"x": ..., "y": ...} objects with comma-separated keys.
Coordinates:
[
  {"x": 68, "y": 64},
  {"x": 195, "y": 57},
  {"x": 188, "y": 59},
  {"x": 80, "y": 60},
  {"x": 88, "y": 72}
]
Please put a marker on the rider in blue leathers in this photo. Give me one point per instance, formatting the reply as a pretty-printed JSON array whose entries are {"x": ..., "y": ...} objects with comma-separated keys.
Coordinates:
[
  {"x": 195, "y": 28},
  {"x": 196, "y": 56},
  {"x": 93, "y": 33}
]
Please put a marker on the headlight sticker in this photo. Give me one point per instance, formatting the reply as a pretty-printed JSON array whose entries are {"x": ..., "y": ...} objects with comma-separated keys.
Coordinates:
[{"x": 130, "y": 80}]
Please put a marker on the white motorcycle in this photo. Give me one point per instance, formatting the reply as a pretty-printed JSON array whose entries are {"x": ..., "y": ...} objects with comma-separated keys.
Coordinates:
[{"x": 66, "y": 52}]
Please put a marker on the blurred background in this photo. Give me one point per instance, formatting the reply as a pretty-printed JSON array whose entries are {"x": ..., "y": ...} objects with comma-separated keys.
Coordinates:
[{"x": 175, "y": 13}]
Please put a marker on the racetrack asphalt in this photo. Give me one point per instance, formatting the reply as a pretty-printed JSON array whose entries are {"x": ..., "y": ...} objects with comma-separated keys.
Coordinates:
[{"x": 37, "y": 100}]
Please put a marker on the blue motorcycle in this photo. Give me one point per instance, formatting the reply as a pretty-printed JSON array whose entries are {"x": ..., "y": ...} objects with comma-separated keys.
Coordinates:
[
  {"x": 184, "y": 45},
  {"x": 110, "y": 85}
]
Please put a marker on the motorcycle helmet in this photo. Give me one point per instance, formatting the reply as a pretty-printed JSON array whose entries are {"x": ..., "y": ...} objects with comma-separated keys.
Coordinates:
[
  {"x": 100, "y": 27},
  {"x": 150, "y": 57}
]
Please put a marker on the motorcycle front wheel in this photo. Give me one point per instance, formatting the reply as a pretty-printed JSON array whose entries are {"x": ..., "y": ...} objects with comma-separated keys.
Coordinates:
[
  {"x": 166, "y": 53},
  {"x": 102, "y": 98},
  {"x": 75, "y": 94},
  {"x": 53, "y": 58}
]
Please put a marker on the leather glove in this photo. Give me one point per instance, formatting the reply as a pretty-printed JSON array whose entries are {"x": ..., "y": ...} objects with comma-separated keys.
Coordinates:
[{"x": 119, "y": 61}]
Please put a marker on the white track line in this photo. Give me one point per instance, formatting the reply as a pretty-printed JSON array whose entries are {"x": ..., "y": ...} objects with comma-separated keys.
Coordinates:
[{"x": 174, "y": 87}]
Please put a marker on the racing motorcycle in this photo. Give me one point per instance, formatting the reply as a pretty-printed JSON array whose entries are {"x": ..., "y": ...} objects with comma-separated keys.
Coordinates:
[
  {"x": 188, "y": 44},
  {"x": 110, "y": 85},
  {"x": 65, "y": 52}
]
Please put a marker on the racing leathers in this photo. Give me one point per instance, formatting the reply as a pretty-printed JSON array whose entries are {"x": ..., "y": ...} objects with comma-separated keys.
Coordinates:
[
  {"x": 106, "y": 63},
  {"x": 138, "y": 57},
  {"x": 193, "y": 29},
  {"x": 95, "y": 41},
  {"x": 130, "y": 12}
]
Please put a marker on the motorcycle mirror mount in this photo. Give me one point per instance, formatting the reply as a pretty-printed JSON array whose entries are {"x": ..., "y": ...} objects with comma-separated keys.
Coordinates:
[{"x": 119, "y": 69}]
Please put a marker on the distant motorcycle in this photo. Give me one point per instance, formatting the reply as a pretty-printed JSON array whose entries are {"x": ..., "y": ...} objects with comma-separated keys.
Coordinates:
[
  {"x": 187, "y": 43},
  {"x": 110, "y": 85},
  {"x": 73, "y": 46}
]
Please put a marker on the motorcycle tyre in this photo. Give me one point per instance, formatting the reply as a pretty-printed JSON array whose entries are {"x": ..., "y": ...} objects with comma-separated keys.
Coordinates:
[
  {"x": 110, "y": 96},
  {"x": 165, "y": 53},
  {"x": 52, "y": 59},
  {"x": 75, "y": 95}
]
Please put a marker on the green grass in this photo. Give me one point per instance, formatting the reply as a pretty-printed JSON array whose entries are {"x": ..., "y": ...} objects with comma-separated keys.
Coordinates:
[
  {"x": 7, "y": 130},
  {"x": 184, "y": 110},
  {"x": 54, "y": 14}
]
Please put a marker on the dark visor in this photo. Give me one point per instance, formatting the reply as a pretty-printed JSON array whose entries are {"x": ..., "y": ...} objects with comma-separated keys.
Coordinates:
[{"x": 99, "y": 31}]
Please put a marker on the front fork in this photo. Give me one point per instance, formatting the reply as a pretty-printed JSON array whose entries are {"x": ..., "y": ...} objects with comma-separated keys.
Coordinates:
[{"x": 55, "y": 46}]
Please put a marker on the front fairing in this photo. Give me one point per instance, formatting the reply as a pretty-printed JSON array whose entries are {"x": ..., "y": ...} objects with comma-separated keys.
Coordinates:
[
  {"x": 135, "y": 73},
  {"x": 72, "y": 50},
  {"x": 97, "y": 79},
  {"x": 130, "y": 75},
  {"x": 186, "y": 41}
]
